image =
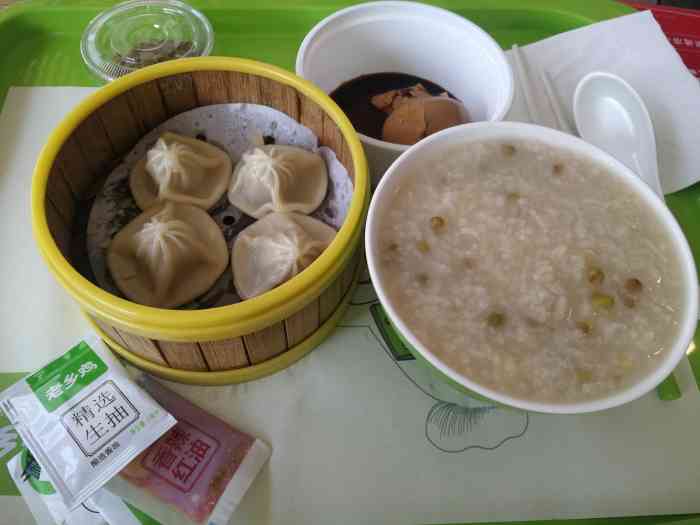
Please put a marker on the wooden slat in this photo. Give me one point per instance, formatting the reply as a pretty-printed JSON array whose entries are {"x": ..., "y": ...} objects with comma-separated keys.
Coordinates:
[
  {"x": 345, "y": 158},
  {"x": 79, "y": 258},
  {"x": 141, "y": 346},
  {"x": 109, "y": 331},
  {"x": 146, "y": 105},
  {"x": 60, "y": 194},
  {"x": 185, "y": 356},
  {"x": 120, "y": 124},
  {"x": 60, "y": 231},
  {"x": 279, "y": 96},
  {"x": 226, "y": 354},
  {"x": 75, "y": 168},
  {"x": 302, "y": 324},
  {"x": 348, "y": 275},
  {"x": 243, "y": 87},
  {"x": 178, "y": 93},
  {"x": 97, "y": 152},
  {"x": 266, "y": 343},
  {"x": 330, "y": 299},
  {"x": 78, "y": 250},
  {"x": 311, "y": 115},
  {"x": 210, "y": 87},
  {"x": 331, "y": 136}
]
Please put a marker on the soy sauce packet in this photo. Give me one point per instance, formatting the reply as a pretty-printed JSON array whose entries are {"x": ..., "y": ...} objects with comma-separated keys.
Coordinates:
[{"x": 83, "y": 419}]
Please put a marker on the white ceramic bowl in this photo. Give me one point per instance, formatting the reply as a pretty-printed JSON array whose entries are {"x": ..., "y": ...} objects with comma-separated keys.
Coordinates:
[
  {"x": 477, "y": 132},
  {"x": 411, "y": 38}
]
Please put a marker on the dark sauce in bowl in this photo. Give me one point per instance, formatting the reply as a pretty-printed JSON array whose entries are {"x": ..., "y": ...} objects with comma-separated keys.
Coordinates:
[{"x": 354, "y": 98}]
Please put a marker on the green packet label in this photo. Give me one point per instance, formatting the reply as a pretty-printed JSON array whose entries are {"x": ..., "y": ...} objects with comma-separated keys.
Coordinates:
[{"x": 64, "y": 377}]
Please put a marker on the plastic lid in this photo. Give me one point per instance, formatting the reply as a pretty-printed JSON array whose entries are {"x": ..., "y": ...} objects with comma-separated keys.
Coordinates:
[{"x": 139, "y": 33}]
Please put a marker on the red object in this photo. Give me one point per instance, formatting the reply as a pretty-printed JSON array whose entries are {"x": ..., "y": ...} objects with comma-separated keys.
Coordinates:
[
  {"x": 190, "y": 466},
  {"x": 682, "y": 28}
]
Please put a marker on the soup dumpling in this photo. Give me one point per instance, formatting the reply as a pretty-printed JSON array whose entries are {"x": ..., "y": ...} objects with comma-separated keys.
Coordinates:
[
  {"x": 278, "y": 178},
  {"x": 168, "y": 255},
  {"x": 181, "y": 169},
  {"x": 274, "y": 249}
]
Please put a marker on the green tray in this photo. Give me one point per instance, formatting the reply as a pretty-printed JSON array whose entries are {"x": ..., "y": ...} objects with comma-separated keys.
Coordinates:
[{"x": 40, "y": 40}]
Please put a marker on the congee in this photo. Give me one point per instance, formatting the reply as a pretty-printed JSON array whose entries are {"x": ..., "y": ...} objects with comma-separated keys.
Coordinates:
[{"x": 530, "y": 270}]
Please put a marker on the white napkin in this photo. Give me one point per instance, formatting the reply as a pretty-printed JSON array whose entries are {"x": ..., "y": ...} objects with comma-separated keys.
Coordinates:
[{"x": 635, "y": 48}]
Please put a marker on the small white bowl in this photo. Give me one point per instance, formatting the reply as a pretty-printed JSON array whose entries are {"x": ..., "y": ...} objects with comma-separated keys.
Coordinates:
[
  {"x": 411, "y": 38},
  {"x": 507, "y": 131}
]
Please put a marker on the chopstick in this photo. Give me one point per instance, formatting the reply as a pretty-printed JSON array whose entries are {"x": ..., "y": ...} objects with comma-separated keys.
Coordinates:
[
  {"x": 526, "y": 85},
  {"x": 562, "y": 123}
]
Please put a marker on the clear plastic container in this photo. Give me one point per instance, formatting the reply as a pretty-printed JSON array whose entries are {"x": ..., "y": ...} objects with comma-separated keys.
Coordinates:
[{"x": 139, "y": 33}]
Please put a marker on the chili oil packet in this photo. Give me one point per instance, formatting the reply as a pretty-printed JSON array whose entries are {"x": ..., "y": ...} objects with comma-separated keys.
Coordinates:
[{"x": 197, "y": 472}]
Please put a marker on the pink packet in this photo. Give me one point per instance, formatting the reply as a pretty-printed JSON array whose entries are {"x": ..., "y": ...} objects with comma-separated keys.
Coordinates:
[{"x": 202, "y": 465}]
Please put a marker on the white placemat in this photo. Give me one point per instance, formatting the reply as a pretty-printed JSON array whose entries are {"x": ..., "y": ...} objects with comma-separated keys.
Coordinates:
[{"x": 349, "y": 425}]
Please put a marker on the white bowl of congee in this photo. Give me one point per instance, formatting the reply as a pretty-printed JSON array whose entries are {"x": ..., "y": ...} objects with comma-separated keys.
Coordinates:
[{"x": 531, "y": 268}]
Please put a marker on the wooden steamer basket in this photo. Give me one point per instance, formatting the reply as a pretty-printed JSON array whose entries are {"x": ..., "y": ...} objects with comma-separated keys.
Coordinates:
[{"x": 228, "y": 344}]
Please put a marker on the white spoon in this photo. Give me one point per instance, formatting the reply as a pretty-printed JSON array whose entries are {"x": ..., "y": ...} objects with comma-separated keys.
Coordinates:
[{"x": 611, "y": 115}]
